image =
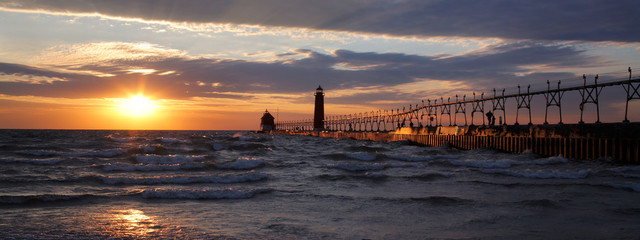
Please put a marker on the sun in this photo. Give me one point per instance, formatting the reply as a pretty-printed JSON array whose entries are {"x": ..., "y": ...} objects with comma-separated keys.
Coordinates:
[{"x": 137, "y": 106}]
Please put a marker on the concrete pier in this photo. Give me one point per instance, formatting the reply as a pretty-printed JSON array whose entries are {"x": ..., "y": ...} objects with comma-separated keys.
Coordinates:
[{"x": 617, "y": 141}]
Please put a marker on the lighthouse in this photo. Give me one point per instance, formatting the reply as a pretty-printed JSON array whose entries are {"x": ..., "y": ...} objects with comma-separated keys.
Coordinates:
[
  {"x": 267, "y": 122},
  {"x": 318, "y": 113}
]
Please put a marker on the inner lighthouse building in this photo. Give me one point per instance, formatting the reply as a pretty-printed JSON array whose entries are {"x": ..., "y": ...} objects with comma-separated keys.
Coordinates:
[{"x": 318, "y": 113}]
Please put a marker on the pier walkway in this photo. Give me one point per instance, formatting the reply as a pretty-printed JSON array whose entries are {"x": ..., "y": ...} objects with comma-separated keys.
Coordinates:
[{"x": 423, "y": 123}]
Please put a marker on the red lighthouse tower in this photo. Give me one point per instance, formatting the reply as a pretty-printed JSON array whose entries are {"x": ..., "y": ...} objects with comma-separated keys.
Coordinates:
[{"x": 318, "y": 113}]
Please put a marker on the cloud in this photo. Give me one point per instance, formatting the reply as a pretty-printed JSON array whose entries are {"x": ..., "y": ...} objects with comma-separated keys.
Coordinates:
[
  {"x": 171, "y": 74},
  {"x": 592, "y": 20}
]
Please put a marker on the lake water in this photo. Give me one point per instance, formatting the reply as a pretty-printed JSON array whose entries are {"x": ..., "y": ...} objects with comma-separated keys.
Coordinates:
[{"x": 241, "y": 185}]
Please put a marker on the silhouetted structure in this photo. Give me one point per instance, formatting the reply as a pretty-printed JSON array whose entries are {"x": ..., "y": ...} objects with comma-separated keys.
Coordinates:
[
  {"x": 318, "y": 113},
  {"x": 419, "y": 115},
  {"x": 267, "y": 122}
]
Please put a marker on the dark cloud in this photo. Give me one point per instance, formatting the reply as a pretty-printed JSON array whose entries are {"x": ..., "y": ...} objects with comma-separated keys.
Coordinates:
[
  {"x": 497, "y": 66},
  {"x": 588, "y": 20}
]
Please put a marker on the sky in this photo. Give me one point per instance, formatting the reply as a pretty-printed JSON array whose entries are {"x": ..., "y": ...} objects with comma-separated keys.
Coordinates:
[{"x": 218, "y": 64}]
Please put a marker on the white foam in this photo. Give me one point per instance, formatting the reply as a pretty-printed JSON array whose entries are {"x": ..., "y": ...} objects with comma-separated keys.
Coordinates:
[
  {"x": 207, "y": 193},
  {"x": 151, "y": 167},
  {"x": 540, "y": 173},
  {"x": 104, "y": 153},
  {"x": 242, "y": 163},
  {"x": 410, "y": 158},
  {"x": 181, "y": 179},
  {"x": 167, "y": 159},
  {"x": 360, "y": 156},
  {"x": 358, "y": 167},
  {"x": 32, "y": 161}
]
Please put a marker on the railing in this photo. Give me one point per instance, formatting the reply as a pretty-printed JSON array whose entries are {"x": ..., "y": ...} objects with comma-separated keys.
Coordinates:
[{"x": 427, "y": 114}]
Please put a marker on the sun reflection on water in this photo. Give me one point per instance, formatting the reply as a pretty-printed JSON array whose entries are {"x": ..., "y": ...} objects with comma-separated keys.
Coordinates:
[{"x": 130, "y": 223}]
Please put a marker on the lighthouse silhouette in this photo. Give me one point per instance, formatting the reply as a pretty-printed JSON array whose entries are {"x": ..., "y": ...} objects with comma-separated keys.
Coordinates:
[{"x": 318, "y": 113}]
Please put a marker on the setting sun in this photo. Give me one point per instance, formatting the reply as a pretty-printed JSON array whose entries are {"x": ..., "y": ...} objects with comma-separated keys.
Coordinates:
[{"x": 137, "y": 106}]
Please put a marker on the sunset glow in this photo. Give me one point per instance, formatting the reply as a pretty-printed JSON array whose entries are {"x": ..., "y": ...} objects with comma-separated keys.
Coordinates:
[
  {"x": 137, "y": 106},
  {"x": 219, "y": 66}
]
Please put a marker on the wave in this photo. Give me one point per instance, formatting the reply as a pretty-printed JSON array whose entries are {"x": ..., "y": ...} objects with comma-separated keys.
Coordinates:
[
  {"x": 360, "y": 156},
  {"x": 125, "y": 139},
  {"x": 167, "y": 159},
  {"x": 484, "y": 163},
  {"x": 44, "y": 178},
  {"x": 217, "y": 146},
  {"x": 207, "y": 193},
  {"x": 375, "y": 176},
  {"x": 411, "y": 158},
  {"x": 169, "y": 140},
  {"x": 151, "y": 167},
  {"x": 365, "y": 148},
  {"x": 628, "y": 186},
  {"x": 399, "y": 165},
  {"x": 146, "y": 148},
  {"x": 247, "y": 146},
  {"x": 372, "y": 167},
  {"x": 103, "y": 153},
  {"x": 549, "y": 160},
  {"x": 32, "y": 161},
  {"x": 430, "y": 176},
  {"x": 242, "y": 163},
  {"x": 506, "y": 163},
  {"x": 540, "y": 174},
  {"x": 443, "y": 201},
  {"x": 358, "y": 167},
  {"x": 241, "y": 137},
  {"x": 250, "y": 177},
  {"x": 545, "y": 203},
  {"x": 21, "y": 199},
  {"x": 39, "y": 153},
  {"x": 625, "y": 169},
  {"x": 366, "y": 175}
]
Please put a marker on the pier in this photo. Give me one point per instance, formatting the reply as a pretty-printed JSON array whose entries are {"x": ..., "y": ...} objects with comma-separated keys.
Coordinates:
[{"x": 423, "y": 123}]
